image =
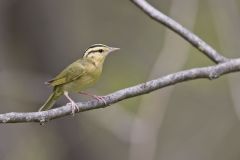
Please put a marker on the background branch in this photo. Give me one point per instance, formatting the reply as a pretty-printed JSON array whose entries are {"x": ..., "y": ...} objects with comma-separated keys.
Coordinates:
[
  {"x": 180, "y": 30},
  {"x": 210, "y": 72}
]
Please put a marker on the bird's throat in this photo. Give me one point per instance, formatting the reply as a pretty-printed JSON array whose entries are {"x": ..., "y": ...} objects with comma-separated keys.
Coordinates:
[{"x": 96, "y": 62}]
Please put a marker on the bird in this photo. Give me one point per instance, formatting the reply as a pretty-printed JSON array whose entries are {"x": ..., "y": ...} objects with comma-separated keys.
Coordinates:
[{"x": 78, "y": 76}]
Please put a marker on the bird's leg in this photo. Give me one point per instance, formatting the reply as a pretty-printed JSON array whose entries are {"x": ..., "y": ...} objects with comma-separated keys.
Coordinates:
[
  {"x": 74, "y": 106},
  {"x": 99, "y": 98}
]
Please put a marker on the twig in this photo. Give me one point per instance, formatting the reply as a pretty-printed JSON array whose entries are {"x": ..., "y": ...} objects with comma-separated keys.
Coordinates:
[
  {"x": 180, "y": 30},
  {"x": 210, "y": 72}
]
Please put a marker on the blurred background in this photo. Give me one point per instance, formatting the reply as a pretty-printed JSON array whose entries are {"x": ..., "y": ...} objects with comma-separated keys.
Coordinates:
[{"x": 194, "y": 120}]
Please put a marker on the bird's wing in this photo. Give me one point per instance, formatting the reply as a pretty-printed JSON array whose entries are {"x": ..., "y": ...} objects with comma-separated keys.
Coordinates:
[{"x": 69, "y": 74}]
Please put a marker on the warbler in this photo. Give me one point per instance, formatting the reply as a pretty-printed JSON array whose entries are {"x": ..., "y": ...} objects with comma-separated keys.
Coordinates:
[{"x": 78, "y": 76}]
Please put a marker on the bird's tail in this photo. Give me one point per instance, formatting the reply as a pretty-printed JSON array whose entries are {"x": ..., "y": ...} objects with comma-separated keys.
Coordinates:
[{"x": 50, "y": 102}]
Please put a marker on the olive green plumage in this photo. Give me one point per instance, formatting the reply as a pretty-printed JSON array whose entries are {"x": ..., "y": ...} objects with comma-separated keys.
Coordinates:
[{"x": 79, "y": 75}]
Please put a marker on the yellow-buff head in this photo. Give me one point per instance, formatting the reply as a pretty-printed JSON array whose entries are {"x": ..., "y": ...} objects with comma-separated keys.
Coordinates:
[{"x": 98, "y": 52}]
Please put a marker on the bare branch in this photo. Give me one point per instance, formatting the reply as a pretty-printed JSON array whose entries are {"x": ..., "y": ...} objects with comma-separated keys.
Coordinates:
[
  {"x": 225, "y": 66},
  {"x": 210, "y": 72},
  {"x": 180, "y": 30}
]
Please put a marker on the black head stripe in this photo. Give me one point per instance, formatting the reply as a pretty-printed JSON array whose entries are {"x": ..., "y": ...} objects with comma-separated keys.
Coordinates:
[
  {"x": 94, "y": 48},
  {"x": 92, "y": 51},
  {"x": 96, "y": 45}
]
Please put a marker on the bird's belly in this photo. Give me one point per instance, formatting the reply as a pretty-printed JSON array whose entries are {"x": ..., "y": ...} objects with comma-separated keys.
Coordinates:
[{"x": 79, "y": 84}]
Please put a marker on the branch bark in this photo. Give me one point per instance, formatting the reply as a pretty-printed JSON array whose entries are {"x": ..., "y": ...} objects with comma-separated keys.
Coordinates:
[
  {"x": 193, "y": 39},
  {"x": 211, "y": 72}
]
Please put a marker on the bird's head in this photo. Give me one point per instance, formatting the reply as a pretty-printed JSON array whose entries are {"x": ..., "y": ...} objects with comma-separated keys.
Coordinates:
[{"x": 98, "y": 52}]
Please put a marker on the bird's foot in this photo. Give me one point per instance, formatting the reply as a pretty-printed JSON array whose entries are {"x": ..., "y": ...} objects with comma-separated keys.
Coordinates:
[
  {"x": 75, "y": 108},
  {"x": 99, "y": 98}
]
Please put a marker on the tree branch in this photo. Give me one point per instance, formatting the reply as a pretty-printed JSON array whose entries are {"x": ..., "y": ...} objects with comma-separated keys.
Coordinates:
[
  {"x": 180, "y": 30},
  {"x": 211, "y": 72},
  {"x": 223, "y": 66}
]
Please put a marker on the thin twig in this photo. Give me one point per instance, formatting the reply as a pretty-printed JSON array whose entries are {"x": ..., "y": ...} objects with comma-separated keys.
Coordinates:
[
  {"x": 210, "y": 72},
  {"x": 180, "y": 30}
]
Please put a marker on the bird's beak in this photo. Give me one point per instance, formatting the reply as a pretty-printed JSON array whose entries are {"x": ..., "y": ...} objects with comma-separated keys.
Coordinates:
[{"x": 112, "y": 49}]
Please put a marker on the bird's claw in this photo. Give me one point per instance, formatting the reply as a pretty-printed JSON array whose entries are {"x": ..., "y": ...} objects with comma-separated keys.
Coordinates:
[
  {"x": 75, "y": 108},
  {"x": 101, "y": 98}
]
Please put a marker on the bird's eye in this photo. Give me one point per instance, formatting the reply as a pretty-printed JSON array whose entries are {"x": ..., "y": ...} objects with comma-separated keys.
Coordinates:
[{"x": 100, "y": 50}]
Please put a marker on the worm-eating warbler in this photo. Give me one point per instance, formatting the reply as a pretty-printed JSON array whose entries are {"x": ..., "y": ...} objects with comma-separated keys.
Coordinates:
[{"x": 79, "y": 75}]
